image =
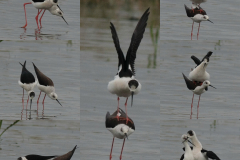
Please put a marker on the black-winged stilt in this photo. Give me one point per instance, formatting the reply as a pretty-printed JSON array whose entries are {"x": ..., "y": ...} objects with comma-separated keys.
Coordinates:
[
  {"x": 45, "y": 84},
  {"x": 124, "y": 83},
  {"x": 118, "y": 127},
  {"x": 28, "y": 82},
  {"x": 188, "y": 155},
  {"x": 199, "y": 73},
  {"x": 196, "y": 88},
  {"x": 198, "y": 15},
  {"x": 66, "y": 156},
  {"x": 198, "y": 152},
  {"x": 51, "y": 5}
]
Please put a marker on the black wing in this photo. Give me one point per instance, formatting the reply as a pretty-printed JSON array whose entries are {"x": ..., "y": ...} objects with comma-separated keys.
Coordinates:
[
  {"x": 42, "y": 79},
  {"x": 26, "y": 76},
  {"x": 196, "y": 60},
  {"x": 182, "y": 157},
  {"x": 111, "y": 121},
  {"x": 136, "y": 40},
  {"x": 207, "y": 56},
  {"x": 193, "y": 12},
  {"x": 66, "y": 156},
  {"x": 121, "y": 58},
  {"x": 38, "y": 157},
  {"x": 212, "y": 155},
  {"x": 190, "y": 84}
]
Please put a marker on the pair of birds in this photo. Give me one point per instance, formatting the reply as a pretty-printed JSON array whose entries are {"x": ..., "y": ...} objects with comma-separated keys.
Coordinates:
[
  {"x": 28, "y": 82},
  {"x": 199, "y": 77},
  {"x": 124, "y": 83},
  {"x": 43, "y": 5},
  {"x": 197, "y": 14},
  {"x": 196, "y": 151},
  {"x": 66, "y": 156}
]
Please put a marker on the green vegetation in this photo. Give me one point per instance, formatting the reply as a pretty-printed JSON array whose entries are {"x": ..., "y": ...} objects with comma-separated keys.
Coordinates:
[
  {"x": 1, "y": 121},
  {"x": 152, "y": 58}
]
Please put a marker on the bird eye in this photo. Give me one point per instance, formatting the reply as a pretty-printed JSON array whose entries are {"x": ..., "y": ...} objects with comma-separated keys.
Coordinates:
[
  {"x": 204, "y": 17},
  {"x": 121, "y": 130},
  {"x": 60, "y": 13}
]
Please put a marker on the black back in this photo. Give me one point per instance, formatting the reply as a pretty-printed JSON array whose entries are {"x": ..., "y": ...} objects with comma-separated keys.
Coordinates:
[
  {"x": 112, "y": 121},
  {"x": 132, "y": 50},
  {"x": 38, "y": 1},
  {"x": 190, "y": 84},
  {"x": 36, "y": 157},
  {"x": 193, "y": 12},
  {"x": 42, "y": 79},
  {"x": 66, "y": 156},
  {"x": 26, "y": 76}
]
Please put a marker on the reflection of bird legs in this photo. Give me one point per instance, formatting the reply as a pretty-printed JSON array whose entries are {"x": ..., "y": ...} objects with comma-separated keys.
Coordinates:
[
  {"x": 110, "y": 156},
  {"x": 198, "y": 106},
  {"x": 122, "y": 149},
  {"x": 23, "y": 99},
  {"x": 192, "y": 106},
  {"x": 27, "y": 102}
]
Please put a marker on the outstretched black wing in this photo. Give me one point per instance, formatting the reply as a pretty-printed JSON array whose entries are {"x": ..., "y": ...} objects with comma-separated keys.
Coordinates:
[
  {"x": 212, "y": 155},
  {"x": 196, "y": 60},
  {"x": 117, "y": 45},
  {"x": 136, "y": 39},
  {"x": 207, "y": 56}
]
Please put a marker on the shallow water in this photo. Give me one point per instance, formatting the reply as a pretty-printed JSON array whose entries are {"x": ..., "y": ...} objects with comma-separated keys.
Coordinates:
[
  {"x": 220, "y": 103},
  {"x": 59, "y": 60},
  {"x": 99, "y": 66},
  {"x": 54, "y": 27},
  {"x": 175, "y": 25},
  {"x": 39, "y": 137},
  {"x": 219, "y": 136}
]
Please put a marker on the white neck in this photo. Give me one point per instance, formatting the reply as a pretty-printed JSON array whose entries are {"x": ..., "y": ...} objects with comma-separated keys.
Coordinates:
[{"x": 196, "y": 143}]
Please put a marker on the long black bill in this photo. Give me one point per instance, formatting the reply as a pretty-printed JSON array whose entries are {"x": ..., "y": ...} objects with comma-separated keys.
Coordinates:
[
  {"x": 60, "y": 8},
  {"x": 132, "y": 99},
  {"x": 210, "y": 21},
  {"x": 126, "y": 135},
  {"x": 58, "y": 102},
  {"x": 191, "y": 143},
  {"x": 64, "y": 20},
  {"x": 212, "y": 86}
]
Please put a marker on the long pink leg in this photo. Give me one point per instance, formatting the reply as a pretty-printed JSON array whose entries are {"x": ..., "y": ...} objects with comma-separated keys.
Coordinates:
[
  {"x": 43, "y": 99},
  {"x": 118, "y": 108},
  {"x": 127, "y": 119},
  {"x": 192, "y": 30},
  {"x": 25, "y": 14},
  {"x": 122, "y": 149},
  {"x": 110, "y": 156},
  {"x": 39, "y": 97},
  {"x": 192, "y": 106},
  {"x": 40, "y": 20},
  {"x": 27, "y": 102},
  {"x": 37, "y": 17},
  {"x": 23, "y": 99},
  {"x": 198, "y": 106},
  {"x": 198, "y": 31}
]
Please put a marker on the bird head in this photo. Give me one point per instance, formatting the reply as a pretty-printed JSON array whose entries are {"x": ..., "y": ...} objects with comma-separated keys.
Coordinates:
[
  {"x": 54, "y": 96},
  {"x": 54, "y": 1},
  {"x": 55, "y": 10},
  {"x": 206, "y": 18},
  {"x": 132, "y": 86},
  {"x": 124, "y": 130}
]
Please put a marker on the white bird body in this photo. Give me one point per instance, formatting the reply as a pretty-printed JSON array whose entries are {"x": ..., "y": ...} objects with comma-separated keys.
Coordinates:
[
  {"x": 199, "y": 73},
  {"x": 198, "y": 18},
  {"x": 116, "y": 131},
  {"x": 49, "y": 90},
  {"x": 119, "y": 86},
  {"x": 197, "y": 154},
  {"x": 198, "y": 1},
  {"x": 28, "y": 87},
  {"x": 46, "y": 4},
  {"x": 188, "y": 155},
  {"x": 201, "y": 89}
]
